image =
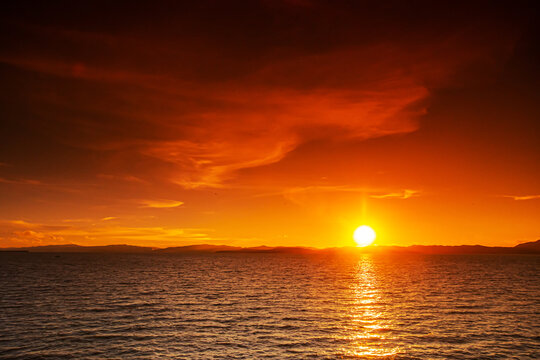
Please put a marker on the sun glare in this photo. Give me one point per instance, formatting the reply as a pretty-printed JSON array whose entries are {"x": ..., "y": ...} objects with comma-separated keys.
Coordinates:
[{"x": 364, "y": 236}]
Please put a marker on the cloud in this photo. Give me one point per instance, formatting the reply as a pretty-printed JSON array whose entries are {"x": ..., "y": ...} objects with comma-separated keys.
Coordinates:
[
  {"x": 17, "y": 223},
  {"x": 160, "y": 204},
  {"x": 522, "y": 197},
  {"x": 205, "y": 104},
  {"x": 250, "y": 126},
  {"x": 310, "y": 196},
  {"x": 371, "y": 192},
  {"x": 127, "y": 178},
  {"x": 20, "y": 181},
  {"x": 22, "y": 233},
  {"x": 35, "y": 238},
  {"x": 405, "y": 194}
]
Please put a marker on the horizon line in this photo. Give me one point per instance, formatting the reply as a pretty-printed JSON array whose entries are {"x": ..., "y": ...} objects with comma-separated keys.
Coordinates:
[{"x": 374, "y": 246}]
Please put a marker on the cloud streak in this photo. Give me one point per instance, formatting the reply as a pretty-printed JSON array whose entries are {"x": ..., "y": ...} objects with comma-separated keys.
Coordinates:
[
  {"x": 201, "y": 125},
  {"x": 405, "y": 194},
  {"x": 522, "y": 197},
  {"x": 161, "y": 204},
  {"x": 22, "y": 233},
  {"x": 20, "y": 181}
]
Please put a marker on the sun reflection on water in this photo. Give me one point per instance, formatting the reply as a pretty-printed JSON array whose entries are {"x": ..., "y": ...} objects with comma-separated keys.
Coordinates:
[{"x": 370, "y": 330}]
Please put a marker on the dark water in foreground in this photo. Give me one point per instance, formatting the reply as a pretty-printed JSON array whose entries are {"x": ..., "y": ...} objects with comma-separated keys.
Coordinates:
[{"x": 237, "y": 306}]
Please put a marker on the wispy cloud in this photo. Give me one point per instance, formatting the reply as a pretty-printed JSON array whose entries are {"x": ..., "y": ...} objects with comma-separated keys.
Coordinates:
[
  {"x": 371, "y": 192},
  {"x": 23, "y": 233},
  {"x": 34, "y": 238},
  {"x": 405, "y": 194},
  {"x": 20, "y": 181},
  {"x": 128, "y": 178},
  {"x": 160, "y": 204},
  {"x": 250, "y": 113},
  {"x": 312, "y": 196},
  {"x": 206, "y": 129},
  {"x": 522, "y": 197},
  {"x": 81, "y": 220},
  {"x": 17, "y": 223}
]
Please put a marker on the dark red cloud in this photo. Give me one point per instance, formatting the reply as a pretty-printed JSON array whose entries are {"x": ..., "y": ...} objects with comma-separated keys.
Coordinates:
[{"x": 203, "y": 90}]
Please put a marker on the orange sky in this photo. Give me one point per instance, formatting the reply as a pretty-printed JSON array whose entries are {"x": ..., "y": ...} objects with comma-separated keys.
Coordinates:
[{"x": 270, "y": 122}]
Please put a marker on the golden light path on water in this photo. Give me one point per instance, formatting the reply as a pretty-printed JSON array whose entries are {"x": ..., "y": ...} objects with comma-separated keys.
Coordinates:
[
  {"x": 281, "y": 306},
  {"x": 369, "y": 328}
]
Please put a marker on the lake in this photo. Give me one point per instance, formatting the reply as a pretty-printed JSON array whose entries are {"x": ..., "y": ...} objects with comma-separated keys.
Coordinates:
[{"x": 275, "y": 306}]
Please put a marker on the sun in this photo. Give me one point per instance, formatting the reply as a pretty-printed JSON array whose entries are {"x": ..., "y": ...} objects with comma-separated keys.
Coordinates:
[{"x": 364, "y": 236}]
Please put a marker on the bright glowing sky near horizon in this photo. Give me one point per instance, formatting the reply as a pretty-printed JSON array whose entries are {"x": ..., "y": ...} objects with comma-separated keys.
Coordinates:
[{"x": 269, "y": 122}]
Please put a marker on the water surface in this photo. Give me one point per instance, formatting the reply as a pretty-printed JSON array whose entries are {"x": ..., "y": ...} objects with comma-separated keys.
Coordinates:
[{"x": 256, "y": 306}]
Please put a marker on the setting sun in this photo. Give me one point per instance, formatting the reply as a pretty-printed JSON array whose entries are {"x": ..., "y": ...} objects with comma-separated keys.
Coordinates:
[{"x": 364, "y": 236}]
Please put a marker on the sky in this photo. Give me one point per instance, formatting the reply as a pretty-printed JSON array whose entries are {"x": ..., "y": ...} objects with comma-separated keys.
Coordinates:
[{"x": 276, "y": 122}]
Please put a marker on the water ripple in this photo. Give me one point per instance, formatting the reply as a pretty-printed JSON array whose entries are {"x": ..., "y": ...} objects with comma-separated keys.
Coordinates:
[{"x": 269, "y": 306}]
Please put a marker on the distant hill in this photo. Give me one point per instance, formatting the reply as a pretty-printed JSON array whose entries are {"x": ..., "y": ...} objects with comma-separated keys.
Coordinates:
[
  {"x": 525, "y": 248},
  {"x": 461, "y": 249},
  {"x": 204, "y": 248},
  {"x": 72, "y": 248},
  {"x": 278, "y": 249},
  {"x": 529, "y": 246}
]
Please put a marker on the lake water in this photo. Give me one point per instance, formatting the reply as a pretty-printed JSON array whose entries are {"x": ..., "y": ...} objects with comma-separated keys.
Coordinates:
[{"x": 280, "y": 306}]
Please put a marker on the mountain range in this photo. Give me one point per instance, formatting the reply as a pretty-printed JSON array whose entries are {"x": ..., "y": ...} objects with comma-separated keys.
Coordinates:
[{"x": 532, "y": 247}]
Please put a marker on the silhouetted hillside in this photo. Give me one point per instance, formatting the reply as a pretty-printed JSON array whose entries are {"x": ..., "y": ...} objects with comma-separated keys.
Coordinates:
[
  {"x": 525, "y": 248},
  {"x": 72, "y": 248},
  {"x": 198, "y": 248},
  {"x": 529, "y": 246}
]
